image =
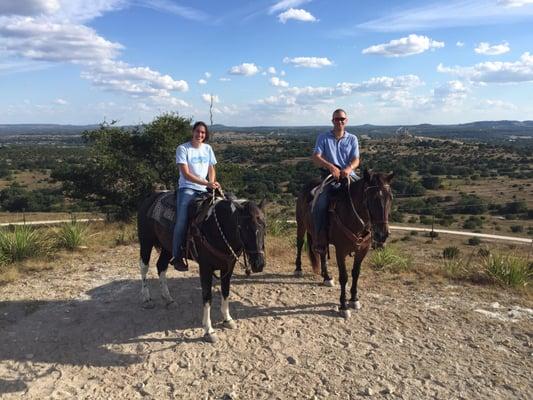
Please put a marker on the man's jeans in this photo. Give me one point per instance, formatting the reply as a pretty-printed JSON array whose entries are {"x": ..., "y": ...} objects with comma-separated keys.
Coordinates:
[{"x": 183, "y": 199}]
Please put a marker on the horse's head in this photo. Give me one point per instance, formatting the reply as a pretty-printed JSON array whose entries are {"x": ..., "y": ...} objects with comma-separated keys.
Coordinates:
[
  {"x": 252, "y": 228},
  {"x": 379, "y": 201}
]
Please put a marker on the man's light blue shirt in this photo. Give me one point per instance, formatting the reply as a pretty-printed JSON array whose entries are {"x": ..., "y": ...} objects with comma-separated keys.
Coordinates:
[{"x": 339, "y": 152}]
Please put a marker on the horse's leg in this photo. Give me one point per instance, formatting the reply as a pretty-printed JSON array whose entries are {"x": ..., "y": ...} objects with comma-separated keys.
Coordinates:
[
  {"x": 206, "y": 278},
  {"x": 224, "y": 304},
  {"x": 300, "y": 232},
  {"x": 343, "y": 279},
  {"x": 144, "y": 261},
  {"x": 356, "y": 270},
  {"x": 162, "y": 267},
  {"x": 328, "y": 280}
]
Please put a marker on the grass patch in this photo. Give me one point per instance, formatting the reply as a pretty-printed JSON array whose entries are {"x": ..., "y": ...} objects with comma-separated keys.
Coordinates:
[
  {"x": 71, "y": 235},
  {"x": 23, "y": 242},
  {"x": 127, "y": 234},
  {"x": 508, "y": 269},
  {"x": 389, "y": 259}
]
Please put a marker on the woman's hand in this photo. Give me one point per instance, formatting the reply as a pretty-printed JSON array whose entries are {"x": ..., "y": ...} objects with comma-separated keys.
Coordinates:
[{"x": 213, "y": 185}]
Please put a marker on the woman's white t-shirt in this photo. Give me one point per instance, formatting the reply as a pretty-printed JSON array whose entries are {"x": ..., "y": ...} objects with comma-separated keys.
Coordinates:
[{"x": 198, "y": 160}]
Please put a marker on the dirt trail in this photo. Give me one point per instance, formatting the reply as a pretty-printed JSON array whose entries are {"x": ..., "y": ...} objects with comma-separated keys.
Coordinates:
[{"x": 79, "y": 332}]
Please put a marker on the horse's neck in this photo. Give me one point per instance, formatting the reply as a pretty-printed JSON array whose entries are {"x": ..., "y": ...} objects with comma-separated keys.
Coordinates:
[
  {"x": 227, "y": 221},
  {"x": 345, "y": 210}
]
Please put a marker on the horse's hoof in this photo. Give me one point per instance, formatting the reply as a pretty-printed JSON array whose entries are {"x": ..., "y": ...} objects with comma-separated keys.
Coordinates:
[
  {"x": 248, "y": 271},
  {"x": 230, "y": 324},
  {"x": 148, "y": 304},
  {"x": 171, "y": 305},
  {"x": 211, "y": 338},
  {"x": 345, "y": 313},
  {"x": 355, "y": 305},
  {"x": 298, "y": 273},
  {"x": 329, "y": 283}
]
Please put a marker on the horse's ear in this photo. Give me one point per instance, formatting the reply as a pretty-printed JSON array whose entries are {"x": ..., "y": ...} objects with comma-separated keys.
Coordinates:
[
  {"x": 262, "y": 204},
  {"x": 389, "y": 177}
]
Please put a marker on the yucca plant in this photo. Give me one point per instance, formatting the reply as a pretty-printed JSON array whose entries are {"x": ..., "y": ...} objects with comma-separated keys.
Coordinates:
[
  {"x": 71, "y": 235},
  {"x": 23, "y": 242},
  {"x": 508, "y": 269},
  {"x": 450, "y": 252},
  {"x": 389, "y": 258}
]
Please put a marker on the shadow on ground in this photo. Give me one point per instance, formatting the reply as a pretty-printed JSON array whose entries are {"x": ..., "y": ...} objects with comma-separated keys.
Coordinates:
[{"x": 83, "y": 331}]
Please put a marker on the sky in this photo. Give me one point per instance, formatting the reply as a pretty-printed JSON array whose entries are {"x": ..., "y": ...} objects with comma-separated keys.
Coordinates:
[{"x": 266, "y": 62}]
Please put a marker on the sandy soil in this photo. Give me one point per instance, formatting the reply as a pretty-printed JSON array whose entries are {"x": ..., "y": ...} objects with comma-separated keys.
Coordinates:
[{"x": 79, "y": 331}]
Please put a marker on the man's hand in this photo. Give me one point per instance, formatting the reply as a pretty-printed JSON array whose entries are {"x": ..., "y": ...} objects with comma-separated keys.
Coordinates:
[
  {"x": 335, "y": 172},
  {"x": 346, "y": 172}
]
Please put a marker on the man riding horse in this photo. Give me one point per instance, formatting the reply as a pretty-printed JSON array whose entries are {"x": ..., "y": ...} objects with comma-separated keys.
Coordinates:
[{"x": 336, "y": 151}]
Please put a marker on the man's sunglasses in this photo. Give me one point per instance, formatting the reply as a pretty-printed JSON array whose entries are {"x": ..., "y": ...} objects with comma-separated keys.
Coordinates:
[{"x": 337, "y": 119}]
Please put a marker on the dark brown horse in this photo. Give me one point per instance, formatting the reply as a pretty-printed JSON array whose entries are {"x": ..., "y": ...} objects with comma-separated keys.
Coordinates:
[
  {"x": 357, "y": 218},
  {"x": 231, "y": 228}
]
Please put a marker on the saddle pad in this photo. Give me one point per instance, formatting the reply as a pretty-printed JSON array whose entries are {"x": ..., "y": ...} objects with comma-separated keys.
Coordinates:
[{"x": 163, "y": 211}]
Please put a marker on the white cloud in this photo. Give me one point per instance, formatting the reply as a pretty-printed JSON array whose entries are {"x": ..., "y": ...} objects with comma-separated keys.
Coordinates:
[
  {"x": 460, "y": 44},
  {"x": 284, "y": 4},
  {"x": 173, "y": 8},
  {"x": 42, "y": 40},
  {"x": 271, "y": 70},
  {"x": 206, "y": 97},
  {"x": 202, "y": 81},
  {"x": 60, "y": 102},
  {"x": 275, "y": 81},
  {"x": 308, "y": 62},
  {"x": 435, "y": 15},
  {"x": 450, "y": 94},
  {"x": 28, "y": 7},
  {"x": 224, "y": 79},
  {"x": 381, "y": 84},
  {"x": 207, "y": 75},
  {"x": 514, "y": 3},
  {"x": 246, "y": 69},
  {"x": 495, "y": 71},
  {"x": 406, "y": 46},
  {"x": 282, "y": 73},
  {"x": 497, "y": 105},
  {"x": 492, "y": 50},
  {"x": 296, "y": 14}
]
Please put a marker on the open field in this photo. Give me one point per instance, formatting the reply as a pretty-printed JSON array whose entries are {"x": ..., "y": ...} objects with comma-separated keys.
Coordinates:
[{"x": 76, "y": 328}]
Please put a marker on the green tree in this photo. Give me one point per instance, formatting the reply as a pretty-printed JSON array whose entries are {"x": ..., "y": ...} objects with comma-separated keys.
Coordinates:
[{"x": 124, "y": 164}]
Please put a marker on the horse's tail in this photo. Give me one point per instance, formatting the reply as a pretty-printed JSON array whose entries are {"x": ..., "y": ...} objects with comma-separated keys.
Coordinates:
[
  {"x": 315, "y": 262},
  {"x": 145, "y": 233}
]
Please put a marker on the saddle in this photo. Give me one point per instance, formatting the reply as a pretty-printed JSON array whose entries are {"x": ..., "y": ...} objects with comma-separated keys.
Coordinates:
[{"x": 163, "y": 210}]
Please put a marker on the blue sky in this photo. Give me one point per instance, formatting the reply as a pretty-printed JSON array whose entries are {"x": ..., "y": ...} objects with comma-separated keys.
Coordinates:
[{"x": 266, "y": 62}]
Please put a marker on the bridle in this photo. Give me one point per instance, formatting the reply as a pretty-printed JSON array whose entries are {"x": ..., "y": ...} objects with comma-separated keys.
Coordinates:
[{"x": 384, "y": 217}]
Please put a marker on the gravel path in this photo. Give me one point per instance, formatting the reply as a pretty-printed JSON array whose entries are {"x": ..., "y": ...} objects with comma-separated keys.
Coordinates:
[{"x": 79, "y": 331}]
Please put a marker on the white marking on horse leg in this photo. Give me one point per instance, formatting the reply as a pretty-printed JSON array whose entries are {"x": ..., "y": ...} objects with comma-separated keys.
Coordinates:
[
  {"x": 165, "y": 294},
  {"x": 206, "y": 321},
  {"x": 224, "y": 307},
  {"x": 145, "y": 292}
]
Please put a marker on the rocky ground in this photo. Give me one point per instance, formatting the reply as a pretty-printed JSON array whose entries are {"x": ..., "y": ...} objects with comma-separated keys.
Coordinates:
[{"x": 79, "y": 331}]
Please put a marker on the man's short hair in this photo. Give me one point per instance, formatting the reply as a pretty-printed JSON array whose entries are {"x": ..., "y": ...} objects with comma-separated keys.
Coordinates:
[{"x": 339, "y": 110}]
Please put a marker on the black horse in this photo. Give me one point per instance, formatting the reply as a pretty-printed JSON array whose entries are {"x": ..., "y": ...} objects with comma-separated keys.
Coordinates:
[
  {"x": 231, "y": 228},
  {"x": 360, "y": 216}
]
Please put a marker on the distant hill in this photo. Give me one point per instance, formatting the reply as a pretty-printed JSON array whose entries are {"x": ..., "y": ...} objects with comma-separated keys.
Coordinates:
[
  {"x": 44, "y": 129},
  {"x": 474, "y": 130}
]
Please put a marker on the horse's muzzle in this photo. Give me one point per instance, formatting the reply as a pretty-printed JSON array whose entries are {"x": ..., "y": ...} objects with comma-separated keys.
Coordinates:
[
  {"x": 257, "y": 261},
  {"x": 380, "y": 235}
]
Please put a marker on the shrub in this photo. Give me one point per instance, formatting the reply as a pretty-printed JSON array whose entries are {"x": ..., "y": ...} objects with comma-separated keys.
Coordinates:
[
  {"x": 508, "y": 269},
  {"x": 23, "y": 242},
  {"x": 126, "y": 235},
  {"x": 450, "y": 252},
  {"x": 433, "y": 234},
  {"x": 517, "y": 228},
  {"x": 277, "y": 227},
  {"x": 455, "y": 267},
  {"x": 71, "y": 235},
  {"x": 474, "y": 241},
  {"x": 389, "y": 258}
]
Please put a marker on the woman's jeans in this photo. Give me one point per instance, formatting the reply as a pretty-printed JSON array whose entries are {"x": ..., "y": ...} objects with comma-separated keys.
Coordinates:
[{"x": 183, "y": 199}]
